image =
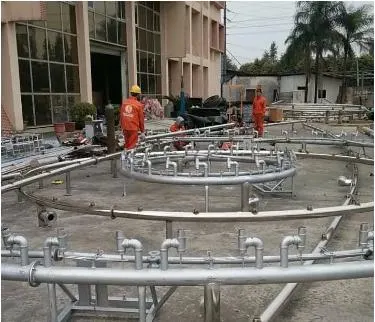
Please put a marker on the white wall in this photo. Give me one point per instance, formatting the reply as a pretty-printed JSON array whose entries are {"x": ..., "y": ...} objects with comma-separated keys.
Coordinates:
[{"x": 268, "y": 84}]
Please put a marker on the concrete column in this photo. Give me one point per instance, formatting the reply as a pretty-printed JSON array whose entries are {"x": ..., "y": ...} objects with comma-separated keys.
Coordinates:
[
  {"x": 83, "y": 46},
  {"x": 163, "y": 52},
  {"x": 131, "y": 42},
  {"x": 10, "y": 76}
]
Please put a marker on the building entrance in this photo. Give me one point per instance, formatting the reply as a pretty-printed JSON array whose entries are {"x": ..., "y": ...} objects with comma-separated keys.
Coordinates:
[{"x": 106, "y": 80}]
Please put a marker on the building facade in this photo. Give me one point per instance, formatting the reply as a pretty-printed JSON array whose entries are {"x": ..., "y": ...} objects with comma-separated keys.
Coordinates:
[{"x": 56, "y": 54}]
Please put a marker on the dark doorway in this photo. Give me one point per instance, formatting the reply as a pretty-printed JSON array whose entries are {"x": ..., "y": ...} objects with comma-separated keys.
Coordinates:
[{"x": 106, "y": 80}]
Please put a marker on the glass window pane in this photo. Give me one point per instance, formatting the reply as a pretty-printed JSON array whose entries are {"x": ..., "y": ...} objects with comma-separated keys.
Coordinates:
[
  {"x": 142, "y": 39},
  {"x": 151, "y": 84},
  {"x": 121, "y": 9},
  {"x": 141, "y": 17},
  {"x": 139, "y": 81},
  {"x": 71, "y": 52},
  {"x": 40, "y": 77},
  {"x": 100, "y": 27},
  {"x": 38, "y": 43},
  {"x": 25, "y": 79},
  {"x": 112, "y": 30},
  {"x": 157, "y": 43},
  {"x": 72, "y": 79},
  {"x": 158, "y": 84},
  {"x": 57, "y": 78},
  {"x": 142, "y": 62},
  {"x": 42, "y": 110},
  {"x": 156, "y": 23},
  {"x": 53, "y": 15},
  {"x": 100, "y": 7},
  {"x": 122, "y": 33},
  {"x": 69, "y": 18},
  {"x": 55, "y": 46},
  {"x": 90, "y": 4},
  {"x": 59, "y": 110},
  {"x": 150, "y": 41},
  {"x": 144, "y": 83},
  {"x": 157, "y": 64},
  {"x": 91, "y": 25},
  {"x": 157, "y": 6},
  {"x": 27, "y": 110},
  {"x": 111, "y": 8},
  {"x": 150, "y": 21},
  {"x": 151, "y": 64},
  {"x": 73, "y": 100},
  {"x": 22, "y": 45}
]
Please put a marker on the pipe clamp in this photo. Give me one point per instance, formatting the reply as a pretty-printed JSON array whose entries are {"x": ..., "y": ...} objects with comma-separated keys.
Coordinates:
[{"x": 31, "y": 281}]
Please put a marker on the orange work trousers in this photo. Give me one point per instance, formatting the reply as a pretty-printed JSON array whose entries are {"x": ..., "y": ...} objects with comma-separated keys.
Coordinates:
[
  {"x": 131, "y": 139},
  {"x": 258, "y": 120}
]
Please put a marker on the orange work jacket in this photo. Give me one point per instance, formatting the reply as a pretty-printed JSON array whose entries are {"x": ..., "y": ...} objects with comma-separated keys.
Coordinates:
[
  {"x": 259, "y": 105},
  {"x": 132, "y": 115}
]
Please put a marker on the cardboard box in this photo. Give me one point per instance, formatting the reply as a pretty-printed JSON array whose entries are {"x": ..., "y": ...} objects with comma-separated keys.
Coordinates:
[{"x": 276, "y": 114}]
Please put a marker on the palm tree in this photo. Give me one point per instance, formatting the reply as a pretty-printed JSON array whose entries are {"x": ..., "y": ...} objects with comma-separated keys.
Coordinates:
[
  {"x": 355, "y": 27},
  {"x": 321, "y": 18},
  {"x": 300, "y": 48}
]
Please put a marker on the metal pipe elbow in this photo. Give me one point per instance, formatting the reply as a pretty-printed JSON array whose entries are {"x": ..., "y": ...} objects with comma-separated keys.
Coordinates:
[
  {"x": 132, "y": 243},
  {"x": 149, "y": 166},
  {"x": 169, "y": 243},
  {"x": 17, "y": 240},
  {"x": 51, "y": 241},
  {"x": 254, "y": 241},
  {"x": 290, "y": 240}
]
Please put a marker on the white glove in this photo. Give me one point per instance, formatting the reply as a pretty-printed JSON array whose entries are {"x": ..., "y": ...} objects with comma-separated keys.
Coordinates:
[{"x": 142, "y": 136}]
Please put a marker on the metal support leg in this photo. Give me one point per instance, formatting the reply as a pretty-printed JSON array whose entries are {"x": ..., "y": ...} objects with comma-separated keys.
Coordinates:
[
  {"x": 84, "y": 290},
  {"x": 206, "y": 198},
  {"x": 245, "y": 191},
  {"x": 212, "y": 302},
  {"x": 68, "y": 186},
  {"x": 168, "y": 229},
  {"x": 114, "y": 168},
  {"x": 142, "y": 303},
  {"x": 41, "y": 184},
  {"x": 101, "y": 290},
  {"x": 19, "y": 196},
  {"x": 52, "y": 302}
]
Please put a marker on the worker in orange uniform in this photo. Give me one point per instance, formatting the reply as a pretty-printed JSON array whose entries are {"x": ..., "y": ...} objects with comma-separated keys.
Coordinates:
[
  {"x": 259, "y": 110},
  {"x": 178, "y": 125},
  {"x": 132, "y": 118}
]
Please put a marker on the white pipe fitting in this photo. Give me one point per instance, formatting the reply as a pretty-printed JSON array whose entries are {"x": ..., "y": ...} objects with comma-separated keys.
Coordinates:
[
  {"x": 138, "y": 249},
  {"x": 198, "y": 164},
  {"x": 23, "y": 245},
  {"x": 258, "y": 244},
  {"x": 284, "y": 247},
  {"x": 231, "y": 163},
  {"x": 168, "y": 243},
  {"x": 167, "y": 164}
]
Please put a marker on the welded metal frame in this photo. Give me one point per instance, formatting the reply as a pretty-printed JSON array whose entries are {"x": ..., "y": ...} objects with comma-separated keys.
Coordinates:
[{"x": 212, "y": 277}]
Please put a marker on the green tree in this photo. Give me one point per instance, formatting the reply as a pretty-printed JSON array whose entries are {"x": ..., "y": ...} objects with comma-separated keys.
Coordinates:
[
  {"x": 300, "y": 49},
  {"x": 356, "y": 28},
  {"x": 229, "y": 64},
  {"x": 273, "y": 53},
  {"x": 321, "y": 16}
]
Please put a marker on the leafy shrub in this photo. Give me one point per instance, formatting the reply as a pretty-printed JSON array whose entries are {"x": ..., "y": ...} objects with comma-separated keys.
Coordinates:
[{"x": 79, "y": 112}]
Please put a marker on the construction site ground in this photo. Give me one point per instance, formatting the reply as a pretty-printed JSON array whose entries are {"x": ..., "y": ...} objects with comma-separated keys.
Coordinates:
[{"x": 315, "y": 185}]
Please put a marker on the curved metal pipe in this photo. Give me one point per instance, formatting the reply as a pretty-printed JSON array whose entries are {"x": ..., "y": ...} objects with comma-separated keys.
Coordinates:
[
  {"x": 284, "y": 247},
  {"x": 138, "y": 250},
  {"x": 230, "y": 163},
  {"x": 198, "y": 164},
  {"x": 258, "y": 244},
  {"x": 174, "y": 164},
  {"x": 168, "y": 243},
  {"x": 23, "y": 245}
]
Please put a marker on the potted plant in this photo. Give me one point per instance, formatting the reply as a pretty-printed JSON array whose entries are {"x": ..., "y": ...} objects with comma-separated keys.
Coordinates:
[{"x": 79, "y": 112}]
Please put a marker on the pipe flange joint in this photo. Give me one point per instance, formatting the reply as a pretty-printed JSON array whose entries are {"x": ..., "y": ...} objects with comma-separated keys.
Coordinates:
[{"x": 31, "y": 281}]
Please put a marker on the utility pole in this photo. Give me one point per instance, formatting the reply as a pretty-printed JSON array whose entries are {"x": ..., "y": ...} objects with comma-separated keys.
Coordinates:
[{"x": 224, "y": 64}]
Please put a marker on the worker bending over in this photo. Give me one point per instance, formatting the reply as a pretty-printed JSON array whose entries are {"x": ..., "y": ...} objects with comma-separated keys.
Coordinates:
[
  {"x": 178, "y": 125},
  {"x": 259, "y": 110},
  {"x": 132, "y": 118}
]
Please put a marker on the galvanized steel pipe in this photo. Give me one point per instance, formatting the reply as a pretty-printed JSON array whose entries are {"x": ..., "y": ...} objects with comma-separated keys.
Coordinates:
[
  {"x": 188, "y": 277},
  {"x": 23, "y": 245},
  {"x": 168, "y": 243}
]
